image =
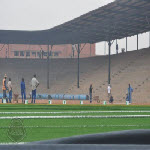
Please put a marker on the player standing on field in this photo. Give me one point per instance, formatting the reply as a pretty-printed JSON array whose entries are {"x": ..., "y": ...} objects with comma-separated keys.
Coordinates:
[{"x": 34, "y": 84}]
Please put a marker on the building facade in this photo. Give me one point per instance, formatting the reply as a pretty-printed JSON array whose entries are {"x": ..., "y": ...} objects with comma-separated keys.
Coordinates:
[{"x": 41, "y": 51}]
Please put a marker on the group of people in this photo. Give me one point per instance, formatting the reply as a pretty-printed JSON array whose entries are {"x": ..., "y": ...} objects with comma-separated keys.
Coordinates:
[
  {"x": 110, "y": 97},
  {"x": 8, "y": 87},
  {"x": 109, "y": 93},
  {"x": 35, "y": 83},
  {"x": 128, "y": 95}
]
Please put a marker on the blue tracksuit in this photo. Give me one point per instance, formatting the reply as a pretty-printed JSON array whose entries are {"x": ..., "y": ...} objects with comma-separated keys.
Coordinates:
[
  {"x": 130, "y": 90},
  {"x": 33, "y": 96},
  {"x": 23, "y": 91}
]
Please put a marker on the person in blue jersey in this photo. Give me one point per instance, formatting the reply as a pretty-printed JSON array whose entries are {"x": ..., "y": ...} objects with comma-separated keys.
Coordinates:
[
  {"x": 23, "y": 90},
  {"x": 10, "y": 90},
  {"x": 130, "y": 91}
]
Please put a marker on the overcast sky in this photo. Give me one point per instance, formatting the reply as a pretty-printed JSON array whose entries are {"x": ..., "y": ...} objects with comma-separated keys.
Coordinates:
[{"x": 45, "y": 14}]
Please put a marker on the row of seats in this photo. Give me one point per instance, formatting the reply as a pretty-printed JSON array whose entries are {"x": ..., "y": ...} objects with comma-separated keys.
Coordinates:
[{"x": 131, "y": 67}]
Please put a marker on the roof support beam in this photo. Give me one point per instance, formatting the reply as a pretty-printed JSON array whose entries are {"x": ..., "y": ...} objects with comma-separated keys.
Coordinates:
[
  {"x": 109, "y": 62},
  {"x": 47, "y": 66},
  {"x": 137, "y": 42},
  {"x": 149, "y": 39},
  {"x": 78, "y": 75},
  {"x": 126, "y": 44}
]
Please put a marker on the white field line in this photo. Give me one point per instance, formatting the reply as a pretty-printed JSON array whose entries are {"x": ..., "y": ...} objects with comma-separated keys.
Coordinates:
[
  {"x": 74, "y": 117},
  {"x": 75, "y": 112},
  {"x": 80, "y": 126}
]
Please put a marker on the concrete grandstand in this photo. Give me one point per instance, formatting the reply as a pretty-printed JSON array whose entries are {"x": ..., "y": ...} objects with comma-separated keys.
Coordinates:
[{"x": 131, "y": 67}]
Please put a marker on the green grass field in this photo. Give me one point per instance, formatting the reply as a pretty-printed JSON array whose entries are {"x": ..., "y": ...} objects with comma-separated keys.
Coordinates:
[{"x": 38, "y": 129}]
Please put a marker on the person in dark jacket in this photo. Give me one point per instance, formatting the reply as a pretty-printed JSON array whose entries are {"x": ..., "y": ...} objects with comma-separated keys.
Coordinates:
[
  {"x": 90, "y": 92},
  {"x": 117, "y": 48},
  {"x": 23, "y": 90},
  {"x": 111, "y": 100}
]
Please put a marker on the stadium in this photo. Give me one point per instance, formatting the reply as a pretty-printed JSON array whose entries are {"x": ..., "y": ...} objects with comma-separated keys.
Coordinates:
[{"x": 65, "y": 115}]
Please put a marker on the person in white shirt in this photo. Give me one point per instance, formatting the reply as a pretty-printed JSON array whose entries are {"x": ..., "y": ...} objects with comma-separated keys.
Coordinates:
[
  {"x": 34, "y": 84},
  {"x": 109, "y": 89},
  {"x": 10, "y": 90}
]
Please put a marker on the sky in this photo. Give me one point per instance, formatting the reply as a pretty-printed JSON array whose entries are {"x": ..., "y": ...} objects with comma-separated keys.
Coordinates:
[{"x": 45, "y": 14}]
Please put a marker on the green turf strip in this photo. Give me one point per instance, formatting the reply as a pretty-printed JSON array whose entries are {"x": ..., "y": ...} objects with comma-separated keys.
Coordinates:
[
  {"x": 57, "y": 128},
  {"x": 20, "y": 107},
  {"x": 41, "y": 133}
]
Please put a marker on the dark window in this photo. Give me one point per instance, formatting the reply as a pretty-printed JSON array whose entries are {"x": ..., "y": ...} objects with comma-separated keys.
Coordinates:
[
  {"x": 22, "y": 53},
  {"x": 44, "y": 53},
  {"x": 38, "y": 53},
  {"x": 50, "y": 53},
  {"x": 27, "y": 54},
  {"x": 34, "y": 54},
  {"x": 56, "y": 54},
  {"x": 16, "y": 53}
]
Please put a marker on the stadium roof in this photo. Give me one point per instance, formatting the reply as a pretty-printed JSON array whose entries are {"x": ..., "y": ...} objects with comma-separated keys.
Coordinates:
[{"x": 116, "y": 20}]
